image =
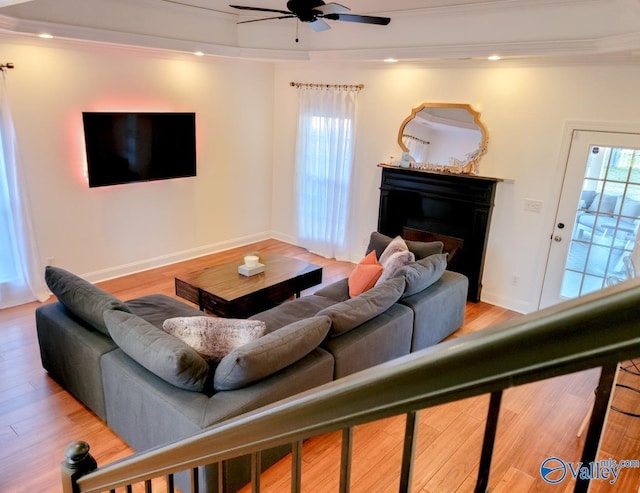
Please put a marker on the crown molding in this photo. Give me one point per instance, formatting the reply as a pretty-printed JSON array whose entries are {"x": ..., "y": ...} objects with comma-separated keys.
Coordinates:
[{"x": 487, "y": 6}]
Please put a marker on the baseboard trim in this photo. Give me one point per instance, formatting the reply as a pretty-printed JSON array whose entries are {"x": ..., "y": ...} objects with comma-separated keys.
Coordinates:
[
  {"x": 512, "y": 304},
  {"x": 172, "y": 258}
]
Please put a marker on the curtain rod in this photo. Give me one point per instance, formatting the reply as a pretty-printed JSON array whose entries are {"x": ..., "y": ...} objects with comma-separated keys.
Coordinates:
[
  {"x": 413, "y": 137},
  {"x": 7, "y": 65},
  {"x": 327, "y": 86}
]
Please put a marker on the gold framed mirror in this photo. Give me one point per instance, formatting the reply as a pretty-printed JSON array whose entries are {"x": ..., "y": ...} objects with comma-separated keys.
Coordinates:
[{"x": 447, "y": 137}]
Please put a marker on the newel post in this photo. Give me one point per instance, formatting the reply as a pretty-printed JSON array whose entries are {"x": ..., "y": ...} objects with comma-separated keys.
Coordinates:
[{"x": 78, "y": 462}]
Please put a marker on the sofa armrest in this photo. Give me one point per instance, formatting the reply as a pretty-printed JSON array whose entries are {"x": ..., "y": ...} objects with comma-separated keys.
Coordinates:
[
  {"x": 438, "y": 310},
  {"x": 70, "y": 351}
]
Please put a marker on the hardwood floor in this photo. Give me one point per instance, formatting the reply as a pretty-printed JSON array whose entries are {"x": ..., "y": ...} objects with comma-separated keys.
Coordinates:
[{"x": 38, "y": 419}]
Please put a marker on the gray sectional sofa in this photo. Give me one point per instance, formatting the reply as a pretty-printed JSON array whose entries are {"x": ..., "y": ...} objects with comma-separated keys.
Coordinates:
[{"x": 151, "y": 388}]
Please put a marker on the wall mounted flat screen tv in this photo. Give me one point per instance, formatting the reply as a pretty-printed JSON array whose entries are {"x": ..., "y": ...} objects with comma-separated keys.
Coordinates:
[{"x": 133, "y": 147}]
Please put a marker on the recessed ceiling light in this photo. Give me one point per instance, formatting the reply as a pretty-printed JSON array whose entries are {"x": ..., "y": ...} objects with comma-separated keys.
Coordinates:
[
  {"x": 198, "y": 53},
  {"x": 45, "y": 36},
  {"x": 494, "y": 57},
  {"x": 391, "y": 60}
]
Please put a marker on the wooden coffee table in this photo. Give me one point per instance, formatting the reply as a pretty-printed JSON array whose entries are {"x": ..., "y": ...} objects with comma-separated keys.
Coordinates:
[{"x": 222, "y": 291}]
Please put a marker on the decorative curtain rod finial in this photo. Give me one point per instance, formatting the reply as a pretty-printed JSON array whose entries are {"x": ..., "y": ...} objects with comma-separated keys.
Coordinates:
[{"x": 7, "y": 65}]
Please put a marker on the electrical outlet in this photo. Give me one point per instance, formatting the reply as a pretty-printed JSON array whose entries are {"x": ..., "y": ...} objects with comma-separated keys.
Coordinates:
[{"x": 532, "y": 205}]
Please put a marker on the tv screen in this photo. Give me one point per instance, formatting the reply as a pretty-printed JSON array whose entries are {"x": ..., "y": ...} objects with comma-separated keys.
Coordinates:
[{"x": 132, "y": 147}]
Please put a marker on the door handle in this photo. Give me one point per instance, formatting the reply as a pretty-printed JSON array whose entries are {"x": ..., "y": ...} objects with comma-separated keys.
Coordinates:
[{"x": 557, "y": 238}]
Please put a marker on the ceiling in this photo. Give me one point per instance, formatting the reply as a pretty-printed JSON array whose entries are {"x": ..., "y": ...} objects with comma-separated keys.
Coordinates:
[{"x": 420, "y": 30}]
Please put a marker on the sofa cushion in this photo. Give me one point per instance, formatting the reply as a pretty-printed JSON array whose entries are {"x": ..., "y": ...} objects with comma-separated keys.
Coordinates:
[
  {"x": 365, "y": 275},
  {"x": 423, "y": 273},
  {"x": 156, "y": 308},
  {"x": 628, "y": 207},
  {"x": 265, "y": 356},
  {"x": 80, "y": 297},
  {"x": 336, "y": 291},
  {"x": 603, "y": 203},
  {"x": 351, "y": 313},
  {"x": 421, "y": 249},
  {"x": 214, "y": 338},
  {"x": 292, "y": 311},
  {"x": 162, "y": 354}
]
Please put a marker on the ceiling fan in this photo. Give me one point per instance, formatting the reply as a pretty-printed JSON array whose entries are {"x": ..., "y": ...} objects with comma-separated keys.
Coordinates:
[{"x": 314, "y": 12}]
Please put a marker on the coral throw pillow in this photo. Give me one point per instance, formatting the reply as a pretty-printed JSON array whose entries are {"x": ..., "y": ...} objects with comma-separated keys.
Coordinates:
[{"x": 365, "y": 275}]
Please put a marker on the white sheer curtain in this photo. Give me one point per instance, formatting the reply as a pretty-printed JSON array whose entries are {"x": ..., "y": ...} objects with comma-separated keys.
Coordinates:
[
  {"x": 21, "y": 279},
  {"x": 324, "y": 165}
]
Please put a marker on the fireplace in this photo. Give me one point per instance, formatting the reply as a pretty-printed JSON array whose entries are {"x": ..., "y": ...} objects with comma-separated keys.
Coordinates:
[{"x": 454, "y": 209}]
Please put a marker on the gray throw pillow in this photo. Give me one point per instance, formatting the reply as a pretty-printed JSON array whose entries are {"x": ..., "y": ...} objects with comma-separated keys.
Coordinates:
[
  {"x": 421, "y": 249},
  {"x": 82, "y": 298},
  {"x": 162, "y": 354},
  {"x": 423, "y": 273},
  {"x": 348, "y": 315},
  {"x": 271, "y": 353},
  {"x": 214, "y": 338}
]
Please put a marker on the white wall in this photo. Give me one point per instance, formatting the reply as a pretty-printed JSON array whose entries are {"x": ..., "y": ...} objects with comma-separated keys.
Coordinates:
[
  {"x": 109, "y": 231},
  {"x": 246, "y": 127},
  {"x": 525, "y": 110}
]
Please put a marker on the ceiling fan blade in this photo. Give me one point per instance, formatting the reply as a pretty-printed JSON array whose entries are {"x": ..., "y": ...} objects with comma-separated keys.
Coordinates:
[
  {"x": 267, "y": 19},
  {"x": 259, "y": 9},
  {"x": 319, "y": 25},
  {"x": 332, "y": 8},
  {"x": 364, "y": 19}
]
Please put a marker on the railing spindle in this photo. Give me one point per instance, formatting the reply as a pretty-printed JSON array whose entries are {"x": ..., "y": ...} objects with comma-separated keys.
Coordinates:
[
  {"x": 296, "y": 466},
  {"x": 482, "y": 484},
  {"x": 345, "y": 459},
  {"x": 220, "y": 477},
  {"x": 195, "y": 481},
  {"x": 170, "y": 484},
  {"x": 256, "y": 466},
  {"x": 410, "y": 435}
]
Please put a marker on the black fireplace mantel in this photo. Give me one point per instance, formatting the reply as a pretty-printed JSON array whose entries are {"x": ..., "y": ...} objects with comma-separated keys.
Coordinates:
[{"x": 456, "y": 209}]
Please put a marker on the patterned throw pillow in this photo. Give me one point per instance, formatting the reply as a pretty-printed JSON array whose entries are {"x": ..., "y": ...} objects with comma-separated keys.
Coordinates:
[
  {"x": 214, "y": 338},
  {"x": 394, "y": 263},
  {"x": 396, "y": 245}
]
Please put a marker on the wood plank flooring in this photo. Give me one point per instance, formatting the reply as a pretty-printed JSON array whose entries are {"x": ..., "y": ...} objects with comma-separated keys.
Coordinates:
[{"x": 38, "y": 419}]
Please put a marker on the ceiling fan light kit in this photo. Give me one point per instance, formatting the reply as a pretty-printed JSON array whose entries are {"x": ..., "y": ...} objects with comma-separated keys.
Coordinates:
[{"x": 314, "y": 12}]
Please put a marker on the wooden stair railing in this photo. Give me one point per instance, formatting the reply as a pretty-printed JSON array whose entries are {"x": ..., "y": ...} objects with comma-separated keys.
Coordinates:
[{"x": 597, "y": 330}]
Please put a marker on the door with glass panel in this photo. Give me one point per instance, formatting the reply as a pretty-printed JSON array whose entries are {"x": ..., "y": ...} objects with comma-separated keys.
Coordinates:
[{"x": 598, "y": 217}]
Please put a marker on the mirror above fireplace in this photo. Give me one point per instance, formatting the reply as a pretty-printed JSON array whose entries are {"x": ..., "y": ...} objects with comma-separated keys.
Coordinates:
[{"x": 445, "y": 137}]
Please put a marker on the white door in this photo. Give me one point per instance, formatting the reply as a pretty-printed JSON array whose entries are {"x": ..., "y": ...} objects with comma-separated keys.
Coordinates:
[{"x": 598, "y": 216}]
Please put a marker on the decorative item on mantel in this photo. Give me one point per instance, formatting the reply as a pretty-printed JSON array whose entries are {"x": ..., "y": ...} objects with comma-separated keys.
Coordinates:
[
  {"x": 406, "y": 161},
  {"x": 251, "y": 266},
  {"x": 455, "y": 166}
]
